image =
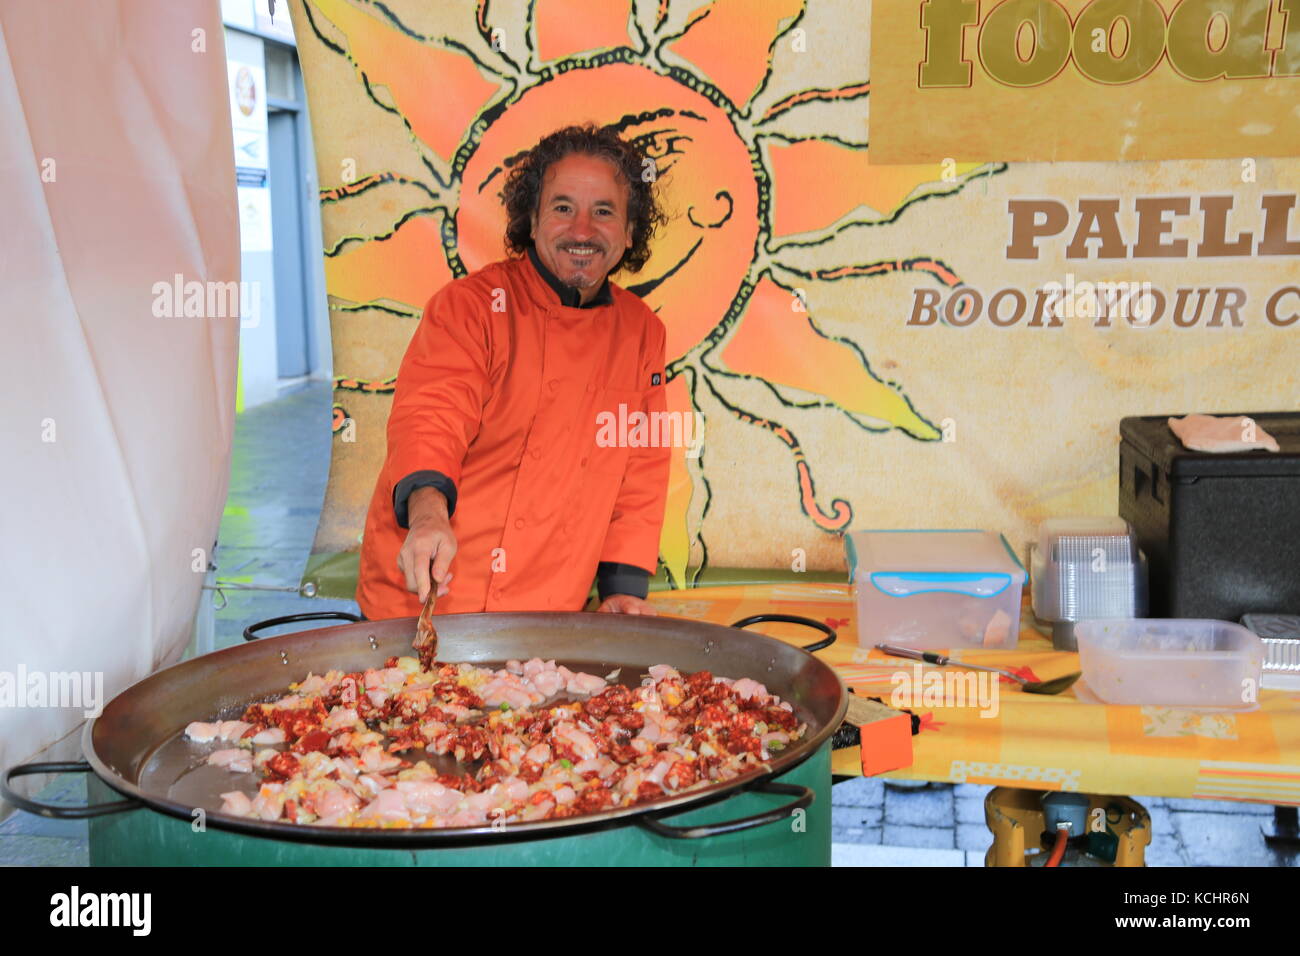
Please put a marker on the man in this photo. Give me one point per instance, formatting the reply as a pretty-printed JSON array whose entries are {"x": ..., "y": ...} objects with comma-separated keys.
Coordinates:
[{"x": 497, "y": 473}]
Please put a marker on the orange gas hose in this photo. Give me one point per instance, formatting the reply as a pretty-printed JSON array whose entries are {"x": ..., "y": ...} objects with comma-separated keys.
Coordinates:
[{"x": 1058, "y": 848}]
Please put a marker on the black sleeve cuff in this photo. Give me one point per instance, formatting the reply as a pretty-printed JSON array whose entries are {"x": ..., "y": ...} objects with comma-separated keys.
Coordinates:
[
  {"x": 614, "y": 578},
  {"x": 422, "y": 479}
]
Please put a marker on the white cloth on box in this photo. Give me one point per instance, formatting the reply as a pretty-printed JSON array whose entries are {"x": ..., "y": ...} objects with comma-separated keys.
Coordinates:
[
  {"x": 118, "y": 173},
  {"x": 1222, "y": 433}
]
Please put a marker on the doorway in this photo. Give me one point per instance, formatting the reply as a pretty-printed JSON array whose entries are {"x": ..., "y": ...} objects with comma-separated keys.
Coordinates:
[{"x": 292, "y": 315}]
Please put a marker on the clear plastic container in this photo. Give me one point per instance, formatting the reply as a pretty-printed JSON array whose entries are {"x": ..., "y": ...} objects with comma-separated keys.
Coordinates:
[
  {"x": 1171, "y": 662},
  {"x": 1083, "y": 568},
  {"x": 936, "y": 589}
]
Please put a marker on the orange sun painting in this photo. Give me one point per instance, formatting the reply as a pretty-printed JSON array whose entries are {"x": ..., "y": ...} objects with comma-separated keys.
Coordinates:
[{"x": 754, "y": 195}]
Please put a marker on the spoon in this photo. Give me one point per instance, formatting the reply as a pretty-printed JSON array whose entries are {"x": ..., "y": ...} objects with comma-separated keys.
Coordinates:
[{"x": 1049, "y": 687}]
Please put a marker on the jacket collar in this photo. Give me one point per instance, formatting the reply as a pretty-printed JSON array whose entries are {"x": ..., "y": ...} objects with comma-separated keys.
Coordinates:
[{"x": 569, "y": 296}]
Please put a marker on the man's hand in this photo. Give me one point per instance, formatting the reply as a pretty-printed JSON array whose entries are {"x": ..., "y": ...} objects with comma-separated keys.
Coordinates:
[
  {"x": 429, "y": 541},
  {"x": 627, "y": 604}
]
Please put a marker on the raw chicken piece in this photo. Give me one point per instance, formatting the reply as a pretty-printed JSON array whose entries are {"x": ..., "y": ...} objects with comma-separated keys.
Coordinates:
[
  {"x": 375, "y": 760},
  {"x": 340, "y": 718},
  {"x": 389, "y": 805},
  {"x": 332, "y": 801},
  {"x": 537, "y": 666},
  {"x": 234, "y": 760},
  {"x": 747, "y": 688},
  {"x": 202, "y": 733},
  {"x": 233, "y": 729},
  {"x": 424, "y": 797},
  {"x": 658, "y": 729},
  {"x": 582, "y": 744},
  {"x": 663, "y": 672},
  {"x": 390, "y": 679},
  {"x": 314, "y": 684},
  {"x": 236, "y": 803},
  {"x": 459, "y": 711},
  {"x": 219, "y": 730},
  {"x": 482, "y": 802},
  {"x": 375, "y": 783},
  {"x": 548, "y": 683},
  {"x": 506, "y": 688},
  {"x": 601, "y": 766},
  {"x": 585, "y": 684},
  {"x": 536, "y": 811},
  {"x": 272, "y": 735},
  {"x": 631, "y": 781},
  {"x": 515, "y": 788},
  {"x": 1215, "y": 433},
  {"x": 269, "y": 801},
  {"x": 657, "y": 774},
  {"x": 467, "y": 818}
]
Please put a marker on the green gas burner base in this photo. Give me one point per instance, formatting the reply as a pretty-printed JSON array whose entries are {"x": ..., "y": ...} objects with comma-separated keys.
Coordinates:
[{"x": 148, "y": 838}]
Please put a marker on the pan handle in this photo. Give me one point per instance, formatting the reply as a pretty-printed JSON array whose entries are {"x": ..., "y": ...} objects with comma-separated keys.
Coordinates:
[
  {"x": 794, "y": 619},
  {"x": 55, "y": 810},
  {"x": 250, "y": 632},
  {"x": 804, "y": 797}
]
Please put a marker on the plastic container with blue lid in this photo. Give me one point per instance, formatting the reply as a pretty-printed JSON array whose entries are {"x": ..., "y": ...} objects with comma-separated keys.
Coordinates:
[{"x": 935, "y": 589}]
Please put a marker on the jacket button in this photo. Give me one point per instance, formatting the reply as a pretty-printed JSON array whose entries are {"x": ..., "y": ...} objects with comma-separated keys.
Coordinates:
[
  {"x": 583, "y": 463},
  {"x": 553, "y": 384},
  {"x": 519, "y": 522},
  {"x": 536, "y": 453}
]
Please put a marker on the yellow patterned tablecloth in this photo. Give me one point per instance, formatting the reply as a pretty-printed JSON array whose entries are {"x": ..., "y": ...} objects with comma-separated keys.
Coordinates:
[{"x": 1029, "y": 741}]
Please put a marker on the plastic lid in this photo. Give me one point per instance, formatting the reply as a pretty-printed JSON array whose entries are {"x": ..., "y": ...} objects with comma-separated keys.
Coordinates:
[
  {"x": 931, "y": 551},
  {"x": 1054, "y": 528}
]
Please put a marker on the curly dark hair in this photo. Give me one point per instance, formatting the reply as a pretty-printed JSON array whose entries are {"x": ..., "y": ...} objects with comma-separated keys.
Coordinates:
[{"x": 523, "y": 187}]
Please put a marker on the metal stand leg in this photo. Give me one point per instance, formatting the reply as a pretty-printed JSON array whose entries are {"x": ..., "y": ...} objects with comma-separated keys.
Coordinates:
[{"x": 1284, "y": 832}]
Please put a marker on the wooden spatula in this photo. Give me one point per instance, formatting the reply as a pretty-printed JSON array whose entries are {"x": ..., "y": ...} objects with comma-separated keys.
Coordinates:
[{"x": 426, "y": 638}]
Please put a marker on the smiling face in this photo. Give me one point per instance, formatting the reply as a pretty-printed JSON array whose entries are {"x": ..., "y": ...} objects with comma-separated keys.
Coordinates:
[{"x": 580, "y": 227}]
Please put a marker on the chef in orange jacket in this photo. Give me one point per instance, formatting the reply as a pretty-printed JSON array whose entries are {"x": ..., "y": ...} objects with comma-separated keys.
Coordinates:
[{"x": 514, "y": 462}]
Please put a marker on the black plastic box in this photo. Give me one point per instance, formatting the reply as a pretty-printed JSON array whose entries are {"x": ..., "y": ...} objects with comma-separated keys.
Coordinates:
[{"x": 1221, "y": 532}]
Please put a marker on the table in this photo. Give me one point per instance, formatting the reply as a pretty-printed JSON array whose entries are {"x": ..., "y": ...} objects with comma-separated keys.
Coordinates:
[{"x": 1025, "y": 740}]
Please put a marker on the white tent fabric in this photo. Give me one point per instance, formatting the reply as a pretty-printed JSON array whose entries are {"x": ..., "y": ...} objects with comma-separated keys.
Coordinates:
[{"x": 116, "y": 173}]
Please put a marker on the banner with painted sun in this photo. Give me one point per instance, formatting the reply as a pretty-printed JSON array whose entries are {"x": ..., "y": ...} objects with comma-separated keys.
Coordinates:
[{"x": 818, "y": 306}]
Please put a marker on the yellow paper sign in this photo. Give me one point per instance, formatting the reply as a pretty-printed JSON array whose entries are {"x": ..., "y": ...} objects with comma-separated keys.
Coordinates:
[{"x": 980, "y": 80}]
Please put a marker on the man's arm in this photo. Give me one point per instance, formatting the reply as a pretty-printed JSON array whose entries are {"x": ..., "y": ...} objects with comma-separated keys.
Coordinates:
[
  {"x": 430, "y": 545},
  {"x": 631, "y": 548},
  {"x": 442, "y": 385}
]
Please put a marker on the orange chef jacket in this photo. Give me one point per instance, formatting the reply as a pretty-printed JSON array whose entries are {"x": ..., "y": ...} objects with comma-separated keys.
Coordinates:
[{"x": 528, "y": 407}]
